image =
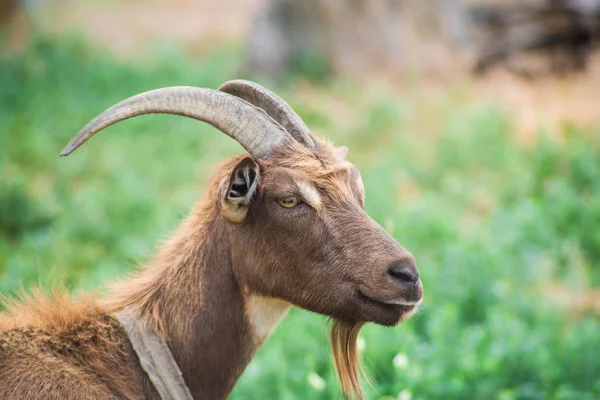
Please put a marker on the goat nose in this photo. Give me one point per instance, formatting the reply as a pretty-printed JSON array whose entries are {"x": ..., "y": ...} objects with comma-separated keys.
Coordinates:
[{"x": 404, "y": 272}]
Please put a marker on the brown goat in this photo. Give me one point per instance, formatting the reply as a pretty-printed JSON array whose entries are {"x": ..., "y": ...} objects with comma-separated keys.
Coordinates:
[{"x": 282, "y": 226}]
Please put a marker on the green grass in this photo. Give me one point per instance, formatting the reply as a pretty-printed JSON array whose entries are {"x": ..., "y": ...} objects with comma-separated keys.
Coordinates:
[{"x": 490, "y": 223}]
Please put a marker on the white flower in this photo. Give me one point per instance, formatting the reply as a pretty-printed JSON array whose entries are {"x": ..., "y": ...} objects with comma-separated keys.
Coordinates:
[
  {"x": 361, "y": 343},
  {"x": 316, "y": 382},
  {"x": 400, "y": 361},
  {"x": 404, "y": 395}
]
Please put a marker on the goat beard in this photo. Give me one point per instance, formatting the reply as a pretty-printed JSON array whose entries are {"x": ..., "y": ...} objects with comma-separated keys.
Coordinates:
[{"x": 344, "y": 349}]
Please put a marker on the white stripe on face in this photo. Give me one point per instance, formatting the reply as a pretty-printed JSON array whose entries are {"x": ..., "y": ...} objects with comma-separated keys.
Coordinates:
[{"x": 310, "y": 195}]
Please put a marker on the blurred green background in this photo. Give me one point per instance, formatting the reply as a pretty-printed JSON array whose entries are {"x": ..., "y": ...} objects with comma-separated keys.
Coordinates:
[{"x": 505, "y": 230}]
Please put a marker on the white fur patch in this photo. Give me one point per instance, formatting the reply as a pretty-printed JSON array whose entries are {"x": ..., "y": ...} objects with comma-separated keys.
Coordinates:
[
  {"x": 265, "y": 313},
  {"x": 310, "y": 195}
]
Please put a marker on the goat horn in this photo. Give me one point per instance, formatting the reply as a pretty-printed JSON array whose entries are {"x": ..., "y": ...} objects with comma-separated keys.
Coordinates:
[
  {"x": 273, "y": 105},
  {"x": 250, "y": 126}
]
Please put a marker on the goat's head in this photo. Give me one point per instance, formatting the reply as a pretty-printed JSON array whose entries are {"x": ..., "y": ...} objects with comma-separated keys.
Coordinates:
[
  {"x": 295, "y": 214},
  {"x": 301, "y": 234}
]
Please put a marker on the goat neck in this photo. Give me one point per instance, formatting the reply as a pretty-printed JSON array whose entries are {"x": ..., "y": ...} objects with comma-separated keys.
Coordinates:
[{"x": 189, "y": 294}]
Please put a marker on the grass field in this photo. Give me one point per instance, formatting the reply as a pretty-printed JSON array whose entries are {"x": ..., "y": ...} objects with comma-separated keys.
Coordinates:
[{"x": 497, "y": 229}]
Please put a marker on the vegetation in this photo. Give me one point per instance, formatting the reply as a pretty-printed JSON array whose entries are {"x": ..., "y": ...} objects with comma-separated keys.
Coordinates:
[{"x": 494, "y": 225}]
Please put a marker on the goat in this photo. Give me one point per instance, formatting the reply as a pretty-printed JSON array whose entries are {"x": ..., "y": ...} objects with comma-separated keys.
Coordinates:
[{"x": 283, "y": 226}]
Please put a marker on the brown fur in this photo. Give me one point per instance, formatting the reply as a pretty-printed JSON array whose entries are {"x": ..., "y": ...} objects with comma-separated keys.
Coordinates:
[
  {"x": 197, "y": 291},
  {"x": 54, "y": 348}
]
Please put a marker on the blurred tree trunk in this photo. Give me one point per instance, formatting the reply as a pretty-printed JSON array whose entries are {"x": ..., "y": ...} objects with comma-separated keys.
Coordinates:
[
  {"x": 354, "y": 37},
  {"x": 7, "y": 9},
  {"x": 15, "y": 25},
  {"x": 537, "y": 38}
]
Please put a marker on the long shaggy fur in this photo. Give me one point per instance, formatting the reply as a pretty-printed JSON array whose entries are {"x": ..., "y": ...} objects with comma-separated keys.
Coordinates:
[
  {"x": 52, "y": 348},
  {"x": 343, "y": 340}
]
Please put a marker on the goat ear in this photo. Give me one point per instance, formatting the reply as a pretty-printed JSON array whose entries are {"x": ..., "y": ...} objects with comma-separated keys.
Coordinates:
[{"x": 241, "y": 189}]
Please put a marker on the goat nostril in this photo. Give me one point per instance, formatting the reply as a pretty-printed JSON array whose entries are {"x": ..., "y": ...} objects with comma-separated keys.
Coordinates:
[{"x": 404, "y": 273}]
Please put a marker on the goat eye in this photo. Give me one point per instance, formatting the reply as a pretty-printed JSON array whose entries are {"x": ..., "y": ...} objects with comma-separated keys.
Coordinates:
[{"x": 288, "y": 202}]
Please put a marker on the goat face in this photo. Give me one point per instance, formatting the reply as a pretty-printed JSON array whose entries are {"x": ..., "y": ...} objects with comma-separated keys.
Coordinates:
[{"x": 299, "y": 232}]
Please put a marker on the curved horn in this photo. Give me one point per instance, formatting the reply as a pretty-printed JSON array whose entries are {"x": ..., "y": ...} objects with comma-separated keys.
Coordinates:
[
  {"x": 273, "y": 105},
  {"x": 248, "y": 125}
]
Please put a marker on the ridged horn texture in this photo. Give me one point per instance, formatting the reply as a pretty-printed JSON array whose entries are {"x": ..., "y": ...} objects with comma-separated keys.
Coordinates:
[
  {"x": 273, "y": 105},
  {"x": 249, "y": 125}
]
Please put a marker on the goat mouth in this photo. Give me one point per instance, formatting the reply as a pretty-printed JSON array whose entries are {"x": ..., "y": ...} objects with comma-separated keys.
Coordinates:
[{"x": 395, "y": 306}]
